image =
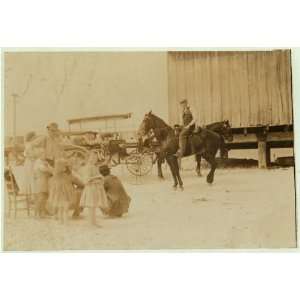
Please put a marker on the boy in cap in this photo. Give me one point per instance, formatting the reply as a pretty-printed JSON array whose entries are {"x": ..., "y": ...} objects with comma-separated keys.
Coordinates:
[{"x": 188, "y": 125}]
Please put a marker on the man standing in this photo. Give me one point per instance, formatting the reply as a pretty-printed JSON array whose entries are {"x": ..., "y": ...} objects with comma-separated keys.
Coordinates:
[
  {"x": 53, "y": 146},
  {"x": 52, "y": 143},
  {"x": 188, "y": 125},
  {"x": 177, "y": 128}
]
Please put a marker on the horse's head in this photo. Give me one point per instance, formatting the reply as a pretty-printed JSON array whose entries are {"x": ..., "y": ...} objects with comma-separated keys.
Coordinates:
[
  {"x": 153, "y": 127},
  {"x": 226, "y": 131},
  {"x": 147, "y": 124},
  {"x": 145, "y": 130}
]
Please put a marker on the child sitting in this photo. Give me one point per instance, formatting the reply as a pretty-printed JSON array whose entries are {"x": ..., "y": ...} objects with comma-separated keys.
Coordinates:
[{"x": 117, "y": 197}]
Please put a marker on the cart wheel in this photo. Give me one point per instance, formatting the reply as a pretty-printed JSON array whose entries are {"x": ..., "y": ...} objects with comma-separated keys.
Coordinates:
[{"x": 139, "y": 164}]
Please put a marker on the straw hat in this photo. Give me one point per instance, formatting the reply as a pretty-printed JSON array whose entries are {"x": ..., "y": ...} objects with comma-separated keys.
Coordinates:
[
  {"x": 29, "y": 136},
  {"x": 53, "y": 126}
]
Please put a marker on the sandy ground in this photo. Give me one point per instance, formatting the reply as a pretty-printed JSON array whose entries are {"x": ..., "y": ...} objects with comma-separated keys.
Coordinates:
[{"x": 244, "y": 208}]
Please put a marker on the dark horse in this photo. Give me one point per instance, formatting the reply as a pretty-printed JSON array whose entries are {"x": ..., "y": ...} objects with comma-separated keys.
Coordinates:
[
  {"x": 203, "y": 142},
  {"x": 224, "y": 130}
]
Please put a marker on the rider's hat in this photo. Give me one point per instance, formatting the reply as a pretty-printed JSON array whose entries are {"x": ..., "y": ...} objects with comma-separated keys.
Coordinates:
[{"x": 183, "y": 101}]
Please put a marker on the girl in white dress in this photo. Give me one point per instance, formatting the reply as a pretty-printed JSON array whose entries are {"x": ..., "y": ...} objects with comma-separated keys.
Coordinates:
[
  {"x": 93, "y": 195},
  {"x": 30, "y": 157}
]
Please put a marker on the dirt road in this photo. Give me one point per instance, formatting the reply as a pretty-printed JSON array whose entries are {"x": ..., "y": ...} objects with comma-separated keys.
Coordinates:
[{"x": 244, "y": 208}]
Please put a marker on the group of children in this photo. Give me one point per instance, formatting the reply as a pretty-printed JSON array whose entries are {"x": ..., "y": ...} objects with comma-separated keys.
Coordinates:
[{"x": 96, "y": 188}]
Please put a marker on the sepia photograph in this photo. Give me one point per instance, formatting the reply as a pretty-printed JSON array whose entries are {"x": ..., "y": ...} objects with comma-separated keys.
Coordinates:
[{"x": 148, "y": 149}]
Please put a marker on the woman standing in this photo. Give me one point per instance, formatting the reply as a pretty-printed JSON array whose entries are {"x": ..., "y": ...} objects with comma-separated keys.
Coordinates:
[
  {"x": 30, "y": 157},
  {"x": 41, "y": 171},
  {"x": 62, "y": 193}
]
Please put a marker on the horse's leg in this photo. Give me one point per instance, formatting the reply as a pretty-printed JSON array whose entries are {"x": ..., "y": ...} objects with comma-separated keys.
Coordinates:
[
  {"x": 159, "y": 169},
  {"x": 170, "y": 161},
  {"x": 177, "y": 172},
  {"x": 198, "y": 167},
  {"x": 211, "y": 159}
]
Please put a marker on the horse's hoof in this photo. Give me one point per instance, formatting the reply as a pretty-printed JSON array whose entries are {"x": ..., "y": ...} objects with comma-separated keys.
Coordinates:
[
  {"x": 199, "y": 174},
  {"x": 174, "y": 187},
  {"x": 181, "y": 188},
  {"x": 161, "y": 177},
  {"x": 209, "y": 180}
]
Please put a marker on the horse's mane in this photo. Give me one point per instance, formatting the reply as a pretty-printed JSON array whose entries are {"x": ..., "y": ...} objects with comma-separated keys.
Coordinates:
[
  {"x": 214, "y": 124},
  {"x": 161, "y": 121},
  {"x": 163, "y": 130}
]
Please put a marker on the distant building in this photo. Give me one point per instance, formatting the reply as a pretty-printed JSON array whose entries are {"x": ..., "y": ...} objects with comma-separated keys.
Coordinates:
[{"x": 117, "y": 124}]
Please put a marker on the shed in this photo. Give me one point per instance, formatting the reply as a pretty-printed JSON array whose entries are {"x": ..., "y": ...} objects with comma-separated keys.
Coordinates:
[{"x": 251, "y": 89}]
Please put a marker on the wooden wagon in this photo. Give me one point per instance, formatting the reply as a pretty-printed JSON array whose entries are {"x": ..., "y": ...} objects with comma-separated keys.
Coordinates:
[{"x": 116, "y": 150}]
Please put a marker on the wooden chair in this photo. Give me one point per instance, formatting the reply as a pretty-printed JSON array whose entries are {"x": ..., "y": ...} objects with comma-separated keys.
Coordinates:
[{"x": 15, "y": 198}]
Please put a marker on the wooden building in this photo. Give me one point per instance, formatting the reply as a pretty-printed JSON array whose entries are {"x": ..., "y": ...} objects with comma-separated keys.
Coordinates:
[
  {"x": 105, "y": 122},
  {"x": 251, "y": 89},
  {"x": 112, "y": 124}
]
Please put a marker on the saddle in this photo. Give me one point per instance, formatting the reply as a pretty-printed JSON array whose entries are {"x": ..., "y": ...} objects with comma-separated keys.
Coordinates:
[{"x": 200, "y": 131}]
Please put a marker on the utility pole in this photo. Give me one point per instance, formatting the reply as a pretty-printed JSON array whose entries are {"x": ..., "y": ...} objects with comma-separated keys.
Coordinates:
[{"x": 14, "y": 103}]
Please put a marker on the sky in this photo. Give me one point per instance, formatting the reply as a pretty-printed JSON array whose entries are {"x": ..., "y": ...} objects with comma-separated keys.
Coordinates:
[{"x": 54, "y": 87}]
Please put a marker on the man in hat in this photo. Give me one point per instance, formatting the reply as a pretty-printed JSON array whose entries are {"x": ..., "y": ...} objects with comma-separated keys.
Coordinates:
[
  {"x": 177, "y": 129},
  {"x": 116, "y": 194},
  {"x": 52, "y": 143},
  {"x": 188, "y": 125}
]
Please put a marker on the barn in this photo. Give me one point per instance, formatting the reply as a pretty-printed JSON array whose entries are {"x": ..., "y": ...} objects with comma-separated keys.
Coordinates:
[{"x": 251, "y": 89}]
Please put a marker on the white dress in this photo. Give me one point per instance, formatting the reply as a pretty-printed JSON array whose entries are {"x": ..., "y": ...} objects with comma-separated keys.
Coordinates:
[
  {"x": 28, "y": 169},
  {"x": 93, "y": 194}
]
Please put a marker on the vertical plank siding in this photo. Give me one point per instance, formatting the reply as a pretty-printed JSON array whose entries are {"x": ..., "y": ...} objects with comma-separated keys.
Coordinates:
[{"x": 249, "y": 88}]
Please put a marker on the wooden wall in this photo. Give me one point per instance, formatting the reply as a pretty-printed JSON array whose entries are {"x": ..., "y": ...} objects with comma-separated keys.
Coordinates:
[{"x": 249, "y": 88}]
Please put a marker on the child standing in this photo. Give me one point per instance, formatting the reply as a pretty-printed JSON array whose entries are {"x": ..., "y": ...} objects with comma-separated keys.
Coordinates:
[
  {"x": 61, "y": 190},
  {"x": 30, "y": 157},
  {"x": 93, "y": 195},
  {"x": 41, "y": 173}
]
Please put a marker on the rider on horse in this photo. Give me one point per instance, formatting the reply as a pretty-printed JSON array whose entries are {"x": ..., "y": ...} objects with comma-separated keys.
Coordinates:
[{"x": 188, "y": 126}]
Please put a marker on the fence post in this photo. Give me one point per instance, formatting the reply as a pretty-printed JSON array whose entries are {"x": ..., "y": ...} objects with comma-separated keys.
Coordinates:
[{"x": 262, "y": 153}]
